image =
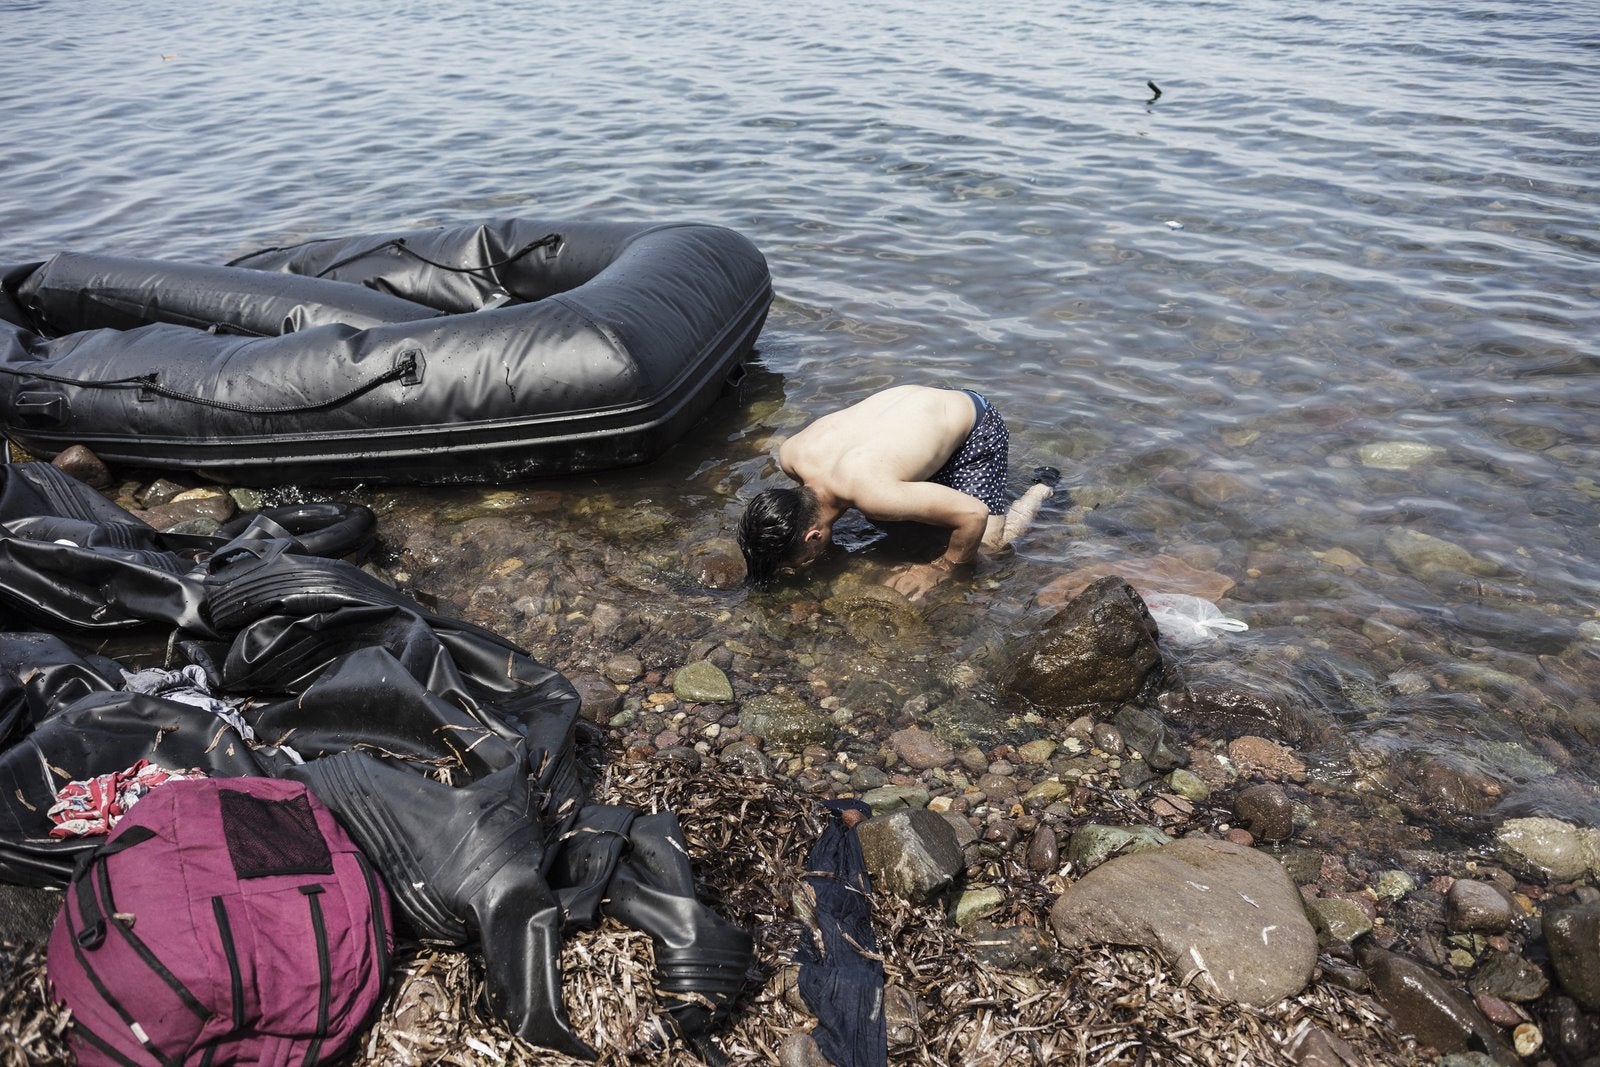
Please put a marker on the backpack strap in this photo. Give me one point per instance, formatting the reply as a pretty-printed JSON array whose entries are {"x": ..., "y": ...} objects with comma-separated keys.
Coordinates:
[
  {"x": 92, "y": 932},
  {"x": 380, "y": 939},
  {"x": 313, "y": 894},
  {"x": 102, "y": 880},
  {"x": 95, "y": 903},
  {"x": 87, "y": 881}
]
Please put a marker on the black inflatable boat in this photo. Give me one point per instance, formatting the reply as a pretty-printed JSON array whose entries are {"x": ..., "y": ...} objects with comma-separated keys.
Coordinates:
[{"x": 508, "y": 350}]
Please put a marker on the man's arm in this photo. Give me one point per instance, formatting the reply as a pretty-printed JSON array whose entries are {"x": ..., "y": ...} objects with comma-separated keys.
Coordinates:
[{"x": 935, "y": 505}]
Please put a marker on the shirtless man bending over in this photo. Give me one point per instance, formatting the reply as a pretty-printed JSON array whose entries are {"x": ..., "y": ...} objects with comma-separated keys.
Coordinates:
[{"x": 906, "y": 454}]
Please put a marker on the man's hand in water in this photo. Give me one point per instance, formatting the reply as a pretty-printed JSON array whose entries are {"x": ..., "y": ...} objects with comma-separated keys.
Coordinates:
[{"x": 914, "y": 580}]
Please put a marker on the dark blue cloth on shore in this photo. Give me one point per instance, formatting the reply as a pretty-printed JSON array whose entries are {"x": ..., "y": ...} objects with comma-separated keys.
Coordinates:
[{"x": 842, "y": 986}]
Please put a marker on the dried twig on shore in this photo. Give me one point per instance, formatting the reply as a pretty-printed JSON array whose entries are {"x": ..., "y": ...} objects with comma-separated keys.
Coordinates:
[{"x": 749, "y": 839}]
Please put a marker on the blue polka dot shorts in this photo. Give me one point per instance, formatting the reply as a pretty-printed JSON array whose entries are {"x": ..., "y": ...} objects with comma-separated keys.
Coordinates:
[{"x": 979, "y": 466}]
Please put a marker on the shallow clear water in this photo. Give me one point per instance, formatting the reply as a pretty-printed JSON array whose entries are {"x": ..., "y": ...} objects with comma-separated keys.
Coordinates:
[{"x": 1338, "y": 228}]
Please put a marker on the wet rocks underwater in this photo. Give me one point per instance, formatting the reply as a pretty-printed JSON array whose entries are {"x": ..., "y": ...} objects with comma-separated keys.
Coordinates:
[
  {"x": 1080, "y": 750},
  {"x": 1039, "y": 800}
]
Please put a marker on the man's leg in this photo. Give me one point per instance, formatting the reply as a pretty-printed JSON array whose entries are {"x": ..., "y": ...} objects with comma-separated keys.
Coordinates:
[
  {"x": 1023, "y": 511},
  {"x": 1017, "y": 520}
]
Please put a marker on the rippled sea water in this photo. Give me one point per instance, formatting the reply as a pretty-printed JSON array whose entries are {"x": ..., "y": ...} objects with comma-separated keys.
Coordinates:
[{"x": 1320, "y": 317}]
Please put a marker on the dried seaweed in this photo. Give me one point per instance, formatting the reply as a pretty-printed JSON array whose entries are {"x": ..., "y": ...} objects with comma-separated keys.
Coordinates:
[
  {"x": 748, "y": 839},
  {"x": 32, "y": 1028}
]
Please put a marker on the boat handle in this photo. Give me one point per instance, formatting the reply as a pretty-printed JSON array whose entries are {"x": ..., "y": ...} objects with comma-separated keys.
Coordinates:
[
  {"x": 41, "y": 408},
  {"x": 410, "y": 366}
]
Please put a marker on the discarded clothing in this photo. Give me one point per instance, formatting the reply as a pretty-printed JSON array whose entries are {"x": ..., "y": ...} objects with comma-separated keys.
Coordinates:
[
  {"x": 841, "y": 975},
  {"x": 94, "y": 806},
  {"x": 508, "y": 862},
  {"x": 188, "y": 686}
]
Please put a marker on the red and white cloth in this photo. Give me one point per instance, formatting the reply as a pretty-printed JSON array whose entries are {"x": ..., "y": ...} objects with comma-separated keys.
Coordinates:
[{"x": 93, "y": 806}]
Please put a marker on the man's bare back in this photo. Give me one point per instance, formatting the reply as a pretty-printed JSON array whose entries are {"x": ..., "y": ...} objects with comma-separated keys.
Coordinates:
[
  {"x": 880, "y": 456},
  {"x": 902, "y": 434}
]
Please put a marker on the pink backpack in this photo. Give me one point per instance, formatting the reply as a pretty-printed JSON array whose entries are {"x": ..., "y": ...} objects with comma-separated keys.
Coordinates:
[{"x": 224, "y": 921}]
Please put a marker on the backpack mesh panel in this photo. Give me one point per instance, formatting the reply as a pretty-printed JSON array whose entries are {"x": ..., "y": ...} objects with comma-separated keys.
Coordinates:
[{"x": 267, "y": 837}]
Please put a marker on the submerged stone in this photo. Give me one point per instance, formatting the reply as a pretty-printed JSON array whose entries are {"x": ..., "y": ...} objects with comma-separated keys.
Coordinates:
[
  {"x": 920, "y": 749},
  {"x": 1038, "y": 751},
  {"x": 784, "y": 719},
  {"x": 1303, "y": 865},
  {"x": 1544, "y": 846},
  {"x": 1573, "y": 935},
  {"x": 1266, "y": 811},
  {"x": 1510, "y": 977},
  {"x": 1393, "y": 885},
  {"x": 1146, "y": 733},
  {"x": 878, "y": 617},
  {"x": 1188, "y": 785},
  {"x": 1480, "y": 906},
  {"x": 1398, "y": 455},
  {"x": 1337, "y": 919},
  {"x": 1167, "y": 574},
  {"x": 1230, "y": 709},
  {"x": 701, "y": 682},
  {"x": 965, "y": 722},
  {"x": 1425, "y": 556},
  {"x": 1425, "y": 1007}
]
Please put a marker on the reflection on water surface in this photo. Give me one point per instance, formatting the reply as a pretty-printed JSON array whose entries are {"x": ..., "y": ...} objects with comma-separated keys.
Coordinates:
[{"x": 1320, "y": 319}]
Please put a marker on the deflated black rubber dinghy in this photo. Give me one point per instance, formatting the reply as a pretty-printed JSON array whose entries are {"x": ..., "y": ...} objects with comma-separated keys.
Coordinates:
[
  {"x": 502, "y": 351},
  {"x": 285, "y": 659}
]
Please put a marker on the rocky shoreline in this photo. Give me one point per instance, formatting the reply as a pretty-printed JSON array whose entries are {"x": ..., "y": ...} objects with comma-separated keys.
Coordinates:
[{"x": 1034, "y": 806}]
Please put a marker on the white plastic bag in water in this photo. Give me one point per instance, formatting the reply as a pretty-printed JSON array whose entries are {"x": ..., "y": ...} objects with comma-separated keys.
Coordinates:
[{"x": 1189, "y": 619}]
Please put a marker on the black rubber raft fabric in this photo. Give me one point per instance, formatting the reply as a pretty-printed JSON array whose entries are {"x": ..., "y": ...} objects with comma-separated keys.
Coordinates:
[
  {"x": 369, "y": 699},
  {"x": 497, "y": 351}
]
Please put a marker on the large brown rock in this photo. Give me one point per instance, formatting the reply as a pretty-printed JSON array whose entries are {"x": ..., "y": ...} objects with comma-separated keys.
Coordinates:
[
  {"x": 921, "y": 749},
  {"x": 1099, "y": 649},
  {"x": 83, "y": 465},
  {"x": 1207, "y": 906}
]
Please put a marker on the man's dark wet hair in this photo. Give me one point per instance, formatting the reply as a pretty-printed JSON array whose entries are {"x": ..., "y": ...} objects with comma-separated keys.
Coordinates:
[{"x": 773, "y": 530}]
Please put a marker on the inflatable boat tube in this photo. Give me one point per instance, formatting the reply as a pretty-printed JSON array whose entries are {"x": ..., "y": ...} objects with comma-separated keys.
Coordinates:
[
  {"x": 501, "y": 351},
  {"x": 331, "y": 529}
]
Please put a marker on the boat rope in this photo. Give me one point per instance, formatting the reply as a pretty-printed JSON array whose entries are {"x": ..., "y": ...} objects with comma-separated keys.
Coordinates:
[
  {"x": 405, "y": 367},
  {"x": 399, "y": 244}
]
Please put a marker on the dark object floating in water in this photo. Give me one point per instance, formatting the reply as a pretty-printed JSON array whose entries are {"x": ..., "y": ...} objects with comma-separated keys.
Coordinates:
[
  {"x": 1154, "y": 88},
  {"x": 500, "y": 351}
]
